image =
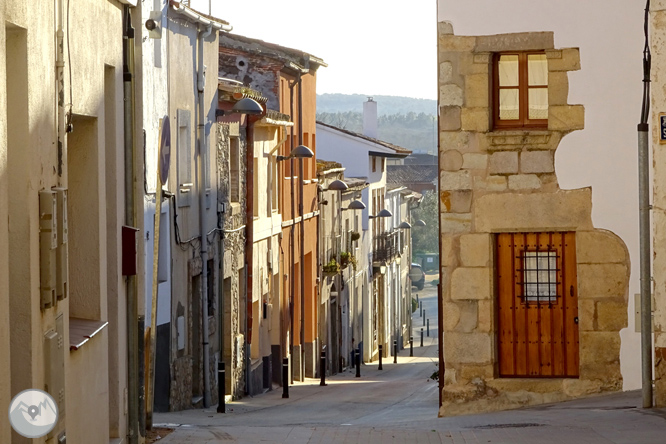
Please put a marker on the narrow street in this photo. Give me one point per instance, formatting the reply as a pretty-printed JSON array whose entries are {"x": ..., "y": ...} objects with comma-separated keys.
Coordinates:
[{"x": 399, "y": 405}]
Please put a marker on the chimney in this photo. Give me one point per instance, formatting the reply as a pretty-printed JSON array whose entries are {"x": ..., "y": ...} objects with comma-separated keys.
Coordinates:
[{"x": 370, "y": 118}]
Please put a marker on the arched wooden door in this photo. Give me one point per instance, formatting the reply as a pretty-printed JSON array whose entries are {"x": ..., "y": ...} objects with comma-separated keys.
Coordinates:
[{"x": 537, "y": 297}]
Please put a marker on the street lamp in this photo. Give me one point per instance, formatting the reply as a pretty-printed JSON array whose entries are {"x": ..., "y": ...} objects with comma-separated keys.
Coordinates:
[
  {"x": 420, "y": 223},
  {"x": 337, "y": 185},
  {"x": 355, "y": 205},
  {"x": 404, "y": 226},
  {"x": 382, "y": 213},
  {"x": 243, "y": 106}
]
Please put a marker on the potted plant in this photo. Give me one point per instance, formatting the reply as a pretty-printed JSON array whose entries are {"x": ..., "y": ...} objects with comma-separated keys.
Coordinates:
[
  {"x": 344, "y": 259},
  {"x": 331, "y": 268},
  {"x": 347, "y": 258},
  {"x": 355, "y": 235}
]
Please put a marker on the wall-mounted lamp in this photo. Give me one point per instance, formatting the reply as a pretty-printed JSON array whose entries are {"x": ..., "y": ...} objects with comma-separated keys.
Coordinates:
[
  {"x": 379, "y": 269},
  {"x": 420, "y": 223},
  {"x": 243, "y": 106},
  {"x": 405, "y": 226},
  {"x": 337, "y": 185},
  {"x": 355, "y": 205},
  {"x": 300, "y": 152},
  {"x": 383, "y": 213},
  {"x": 398, "y": 259}
]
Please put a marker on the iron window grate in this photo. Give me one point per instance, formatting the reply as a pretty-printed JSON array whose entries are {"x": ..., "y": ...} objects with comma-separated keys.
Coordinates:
[{"x": 539, "y": 274}]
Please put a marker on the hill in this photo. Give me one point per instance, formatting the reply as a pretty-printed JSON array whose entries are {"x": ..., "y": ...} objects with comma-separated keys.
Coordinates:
[
  {"x": 403, "y": 121},
  {"x": 333, "y": 103}
]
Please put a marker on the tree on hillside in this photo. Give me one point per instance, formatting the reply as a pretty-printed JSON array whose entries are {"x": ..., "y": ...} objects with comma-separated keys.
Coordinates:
[{"x": 426, "y": 239}]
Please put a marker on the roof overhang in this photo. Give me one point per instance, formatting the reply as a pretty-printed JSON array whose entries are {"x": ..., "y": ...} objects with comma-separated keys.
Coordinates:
[{"x": 388, "y": 155}]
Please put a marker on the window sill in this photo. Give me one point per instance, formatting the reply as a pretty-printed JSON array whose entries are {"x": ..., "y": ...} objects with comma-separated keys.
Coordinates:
[
  {"x": 81, "y": 330},
  {"x": 538, "y": 138}
]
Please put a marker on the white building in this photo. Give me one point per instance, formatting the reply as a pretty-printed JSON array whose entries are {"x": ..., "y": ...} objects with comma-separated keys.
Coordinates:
[{"x": 363, "y": 155}]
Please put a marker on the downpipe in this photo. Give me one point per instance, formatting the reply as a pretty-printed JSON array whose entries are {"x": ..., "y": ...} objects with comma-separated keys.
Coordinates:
[
  {"x": 203, "y": 152},
  {"x": 130, "y": 216}
]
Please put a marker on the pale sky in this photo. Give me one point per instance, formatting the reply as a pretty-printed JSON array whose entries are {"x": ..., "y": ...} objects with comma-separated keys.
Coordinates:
[{"x": 372, "y": 47}]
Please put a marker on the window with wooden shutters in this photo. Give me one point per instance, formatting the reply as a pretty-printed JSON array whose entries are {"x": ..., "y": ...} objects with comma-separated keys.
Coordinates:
[
  {"x": 520, "y": 90},
  {"x": 184, "y": 144}
]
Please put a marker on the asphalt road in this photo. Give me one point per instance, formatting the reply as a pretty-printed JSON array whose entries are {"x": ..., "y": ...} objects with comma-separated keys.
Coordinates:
[{"x": 399, "y": 405}]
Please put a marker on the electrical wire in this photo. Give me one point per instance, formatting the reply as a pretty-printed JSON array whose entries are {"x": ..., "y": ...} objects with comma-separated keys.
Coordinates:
[{"x": 647, "y": 66}]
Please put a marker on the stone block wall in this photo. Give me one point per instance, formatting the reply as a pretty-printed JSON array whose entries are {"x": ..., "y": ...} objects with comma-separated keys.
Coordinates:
[
  {"x": 497, "y": 181},
  {"x": 658, "y": 48},
  {"x": 233, "y": 349}
]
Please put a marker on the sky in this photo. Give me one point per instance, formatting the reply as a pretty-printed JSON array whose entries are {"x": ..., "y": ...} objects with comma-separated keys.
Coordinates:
[{"x": 372, "y": 47}]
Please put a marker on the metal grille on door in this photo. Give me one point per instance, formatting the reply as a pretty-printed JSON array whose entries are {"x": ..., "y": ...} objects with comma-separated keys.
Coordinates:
[{"x": 538, "y": 304}]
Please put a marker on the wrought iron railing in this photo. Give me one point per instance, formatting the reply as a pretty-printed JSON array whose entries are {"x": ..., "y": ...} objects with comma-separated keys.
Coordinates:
[{"x": 386, "y": 246}]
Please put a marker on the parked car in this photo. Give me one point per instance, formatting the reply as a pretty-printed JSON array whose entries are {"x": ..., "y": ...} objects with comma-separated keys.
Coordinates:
[{"x": 417, "y": 276}]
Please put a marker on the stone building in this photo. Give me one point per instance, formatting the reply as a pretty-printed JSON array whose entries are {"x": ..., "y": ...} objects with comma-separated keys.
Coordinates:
[
  {"x": 658, "y": 37},
  {"x": 533, "y": 296}
]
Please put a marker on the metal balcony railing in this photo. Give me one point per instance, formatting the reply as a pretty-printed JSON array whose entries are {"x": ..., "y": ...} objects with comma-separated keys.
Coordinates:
[{"x": 386, "y": 246}]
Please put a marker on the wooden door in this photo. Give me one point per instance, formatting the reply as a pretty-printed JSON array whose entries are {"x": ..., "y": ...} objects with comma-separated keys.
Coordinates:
[{"x": 538, "y": 305}]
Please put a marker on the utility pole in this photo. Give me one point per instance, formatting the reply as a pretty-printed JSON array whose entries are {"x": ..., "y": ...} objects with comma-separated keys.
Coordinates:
[{"x": 644, "y": 224}]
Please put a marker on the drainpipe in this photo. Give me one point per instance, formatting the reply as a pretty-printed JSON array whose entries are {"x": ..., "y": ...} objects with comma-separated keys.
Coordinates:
[
  {"x": 249, "y": 241},
  {"x": 203, "y": 152},
  {"x": 302, "y": 230},
  {"x": 60, "y": 84},
  {"x": 131, "y": 283},
  {"x": 291, "y": 237}
]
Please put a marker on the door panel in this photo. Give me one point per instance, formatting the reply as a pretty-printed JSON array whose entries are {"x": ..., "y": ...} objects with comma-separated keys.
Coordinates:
[{"x": 537, "y": 304}]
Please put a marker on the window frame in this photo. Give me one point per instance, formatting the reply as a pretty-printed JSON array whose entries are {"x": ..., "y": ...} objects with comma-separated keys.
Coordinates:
[{"x": 523, "y": 120}]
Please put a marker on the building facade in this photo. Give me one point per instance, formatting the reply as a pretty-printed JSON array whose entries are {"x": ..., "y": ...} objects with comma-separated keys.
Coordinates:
[
  {"x": 287, "y": 78},
  {"x": 345, "y": 147},
  {"x": 585, "y": 157},
  {"x": 531, "y": 291},
  {"x": 62, "y": 292}
]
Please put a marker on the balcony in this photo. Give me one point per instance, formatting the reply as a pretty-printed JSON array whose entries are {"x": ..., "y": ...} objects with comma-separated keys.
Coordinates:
[{"x": 386, "y": 247}]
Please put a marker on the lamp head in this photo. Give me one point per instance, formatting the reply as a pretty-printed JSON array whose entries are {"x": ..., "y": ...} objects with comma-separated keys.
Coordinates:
[
  {"x": 337, "y": 185},
  {"x": 383, "y": 213},
  {"x": 355, "y": 205},
  {"x": 301, "y": 152},
  {"x": 243, "y": 106}
]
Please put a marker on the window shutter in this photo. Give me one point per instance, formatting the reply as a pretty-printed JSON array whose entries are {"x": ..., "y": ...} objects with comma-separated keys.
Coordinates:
[{"x": 185, "y": 182}]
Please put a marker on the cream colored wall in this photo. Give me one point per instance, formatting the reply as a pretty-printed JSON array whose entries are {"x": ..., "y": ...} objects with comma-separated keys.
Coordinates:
[
  {"x": 36, "y": 169},
  {"x": 267, "y": 227},
  {"x": 5, "y": 368}
]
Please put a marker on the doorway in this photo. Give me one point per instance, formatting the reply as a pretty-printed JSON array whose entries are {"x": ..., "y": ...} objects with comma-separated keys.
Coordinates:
[{"x": 537, "y": 298}]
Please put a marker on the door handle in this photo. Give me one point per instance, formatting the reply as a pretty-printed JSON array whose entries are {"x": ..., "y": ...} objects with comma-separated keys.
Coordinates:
[{"x": 576, "y": 320}]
